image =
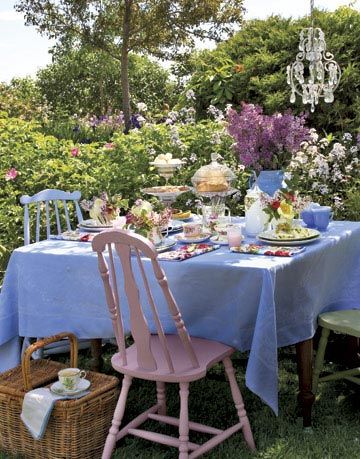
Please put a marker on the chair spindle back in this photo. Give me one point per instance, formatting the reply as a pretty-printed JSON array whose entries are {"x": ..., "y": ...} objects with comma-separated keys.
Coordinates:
[
  {"x": 122, "y": 243},
  {"x": 50, "y": 199}
]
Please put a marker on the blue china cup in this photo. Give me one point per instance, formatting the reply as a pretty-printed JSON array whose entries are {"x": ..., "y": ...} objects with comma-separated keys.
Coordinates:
[
  {"x": 322, "y": 216},
  {"x": 307, "y": 215}
]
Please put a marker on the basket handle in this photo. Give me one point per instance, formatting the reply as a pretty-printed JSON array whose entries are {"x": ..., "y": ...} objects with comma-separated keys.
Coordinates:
[{"x": 25, "y": 363}]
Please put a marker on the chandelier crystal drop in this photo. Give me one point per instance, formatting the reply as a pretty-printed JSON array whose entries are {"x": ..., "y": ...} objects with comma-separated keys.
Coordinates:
[{"x": 321, "y": 76}]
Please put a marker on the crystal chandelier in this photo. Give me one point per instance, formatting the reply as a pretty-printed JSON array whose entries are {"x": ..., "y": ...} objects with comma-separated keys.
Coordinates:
[{"x": 323, "y": 74}]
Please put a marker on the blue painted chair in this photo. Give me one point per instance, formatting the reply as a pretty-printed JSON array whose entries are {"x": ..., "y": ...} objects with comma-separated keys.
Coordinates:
[
  {"x": 46, "y": 203},
  {"x": 53, "y": 210}
]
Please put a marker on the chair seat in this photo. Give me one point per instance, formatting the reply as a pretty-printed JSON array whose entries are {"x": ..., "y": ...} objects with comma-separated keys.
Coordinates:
[
  {"x": 208, "y": 353},
  {"x": 347, "y": 322}
]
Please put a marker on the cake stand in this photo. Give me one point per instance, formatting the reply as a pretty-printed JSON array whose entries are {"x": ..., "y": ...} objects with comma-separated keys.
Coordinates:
[{"x": 167, "y": 193}]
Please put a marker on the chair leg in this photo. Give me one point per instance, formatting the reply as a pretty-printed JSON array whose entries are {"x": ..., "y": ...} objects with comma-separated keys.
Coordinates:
[
  {"x": 184, "y": 421},
  {"x": 239, "y": 403},
  {"x": 320, "y": 358},
  {"x": 161, "y": 397},
  {"x": 117, "y": 418}
]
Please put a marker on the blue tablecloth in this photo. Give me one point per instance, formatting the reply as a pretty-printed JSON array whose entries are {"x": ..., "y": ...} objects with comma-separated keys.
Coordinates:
[{"x": 252, "y": 302}]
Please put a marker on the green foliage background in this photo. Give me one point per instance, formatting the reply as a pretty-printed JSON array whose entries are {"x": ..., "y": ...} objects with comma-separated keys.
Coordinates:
[
  {"x": 251, "y": 67},
  {"x": 46, "y": 162},
  {"x": 82, "y": 81}
]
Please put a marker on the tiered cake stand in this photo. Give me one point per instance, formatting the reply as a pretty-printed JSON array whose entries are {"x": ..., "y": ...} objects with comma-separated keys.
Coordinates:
[{"x": 167, "y": 193}]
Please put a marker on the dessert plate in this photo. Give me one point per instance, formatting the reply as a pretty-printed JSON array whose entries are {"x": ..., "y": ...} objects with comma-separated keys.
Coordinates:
[
  {"x": 94, "y": 224},
  {"x": 219, "y": 240},
  {"x": 58, "y": 389},
  {"x": 304, "y": 236},
  {"x": 165, "y": 245},
  {"x": 192, "y": 240}
]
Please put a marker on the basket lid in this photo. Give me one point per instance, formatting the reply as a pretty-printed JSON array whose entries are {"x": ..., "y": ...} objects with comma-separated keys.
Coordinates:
[{"x": 213, "y": 170}]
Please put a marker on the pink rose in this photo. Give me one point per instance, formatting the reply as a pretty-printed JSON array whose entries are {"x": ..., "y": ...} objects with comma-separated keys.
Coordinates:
[
  {"x": 75, "y": 151},
  {"x": 109, "y": 146},
  {"x": 11, "y": 174}
]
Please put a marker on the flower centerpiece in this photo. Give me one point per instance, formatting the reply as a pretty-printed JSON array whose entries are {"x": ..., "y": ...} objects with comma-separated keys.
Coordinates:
[
  {"x": 266, "y": 142},
  {"x": 104, "y": 209},
  {"x": 282, "y": 208},
  {"x": 146, "y": 221}
]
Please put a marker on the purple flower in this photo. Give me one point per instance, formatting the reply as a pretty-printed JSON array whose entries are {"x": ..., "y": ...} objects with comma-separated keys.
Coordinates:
[
  {"x": 266, "y": 141},
  {"x": 358, "y": 139}
]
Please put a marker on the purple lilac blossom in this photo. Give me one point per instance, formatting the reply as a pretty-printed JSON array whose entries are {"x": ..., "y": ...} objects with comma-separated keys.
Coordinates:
[{"x": 266, "y": 141}]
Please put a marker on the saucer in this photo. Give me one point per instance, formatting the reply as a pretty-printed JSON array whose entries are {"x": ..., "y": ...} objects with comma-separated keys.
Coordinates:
[
  {"x": 219, "y": 240},
  {"x": 192, "y": 240},
  {"x": 58, "y": 389}
]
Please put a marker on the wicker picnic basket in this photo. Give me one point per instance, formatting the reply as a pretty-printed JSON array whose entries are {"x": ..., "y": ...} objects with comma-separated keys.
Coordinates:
[{"x": 77, "y": 428}]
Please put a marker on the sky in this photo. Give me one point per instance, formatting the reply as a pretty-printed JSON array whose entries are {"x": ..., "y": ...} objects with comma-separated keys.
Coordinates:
[{"x": 23, "y": 50}]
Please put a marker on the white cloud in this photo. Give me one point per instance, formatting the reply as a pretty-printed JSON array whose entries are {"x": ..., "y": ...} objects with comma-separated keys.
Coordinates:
[{"x": 10, "y": 16}]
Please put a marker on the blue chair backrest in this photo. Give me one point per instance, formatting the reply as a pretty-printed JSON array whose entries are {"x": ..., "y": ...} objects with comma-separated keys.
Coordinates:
[{"x": 49, "y": 201}]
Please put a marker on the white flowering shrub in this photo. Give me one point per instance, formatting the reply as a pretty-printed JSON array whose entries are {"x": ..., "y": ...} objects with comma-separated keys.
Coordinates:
[{"x": 328, "y": 170}]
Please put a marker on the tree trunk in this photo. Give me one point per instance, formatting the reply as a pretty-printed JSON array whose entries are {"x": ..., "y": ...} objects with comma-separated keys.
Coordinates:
[{"x": 125, "y": 65}]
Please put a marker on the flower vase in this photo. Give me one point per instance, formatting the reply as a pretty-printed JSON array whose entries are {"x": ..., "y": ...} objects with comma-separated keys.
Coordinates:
[
  {"x": 155, "y": 235},
  {"x": 270, "y": 181}
]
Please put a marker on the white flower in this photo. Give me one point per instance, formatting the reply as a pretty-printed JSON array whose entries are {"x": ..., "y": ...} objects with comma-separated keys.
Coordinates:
[
  {"x": 193, "y": 157},
  {"x": 324, "y": 189},
  {"x": 354, "y": 149},
  {"x": 347, "y": 137},
  {"x": 142, "y": 107},
  {"x": 190, "y": 95},
  {"x": 314, "y": 135},
  {"x": 216, "y": 138}
]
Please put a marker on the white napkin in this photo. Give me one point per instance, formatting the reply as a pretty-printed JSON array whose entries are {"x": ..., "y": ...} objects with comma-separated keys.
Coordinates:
[{"x": 37, "y": 407}]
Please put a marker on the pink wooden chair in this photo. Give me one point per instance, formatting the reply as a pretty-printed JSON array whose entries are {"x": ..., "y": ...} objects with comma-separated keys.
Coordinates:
[{"x": 160, "y": 357}]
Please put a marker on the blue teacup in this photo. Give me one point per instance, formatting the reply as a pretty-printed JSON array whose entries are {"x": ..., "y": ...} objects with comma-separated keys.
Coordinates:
[
  {"x": 308, "y": 216},
  {"x": 322, "y": 216}
]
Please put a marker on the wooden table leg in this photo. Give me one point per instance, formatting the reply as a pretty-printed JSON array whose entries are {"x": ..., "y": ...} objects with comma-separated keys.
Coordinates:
[
  {"x": 306, "y": 398},
  {"x": 96, "y": 354}
]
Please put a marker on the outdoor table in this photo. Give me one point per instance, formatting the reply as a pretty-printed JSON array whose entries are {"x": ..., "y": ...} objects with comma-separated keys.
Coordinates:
[{"x": 252, "y": 302}]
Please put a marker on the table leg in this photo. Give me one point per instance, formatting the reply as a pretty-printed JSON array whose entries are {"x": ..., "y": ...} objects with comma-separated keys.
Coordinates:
[
  {"x": 306, "y": 398},
  {"x": 96, "y": 354}
]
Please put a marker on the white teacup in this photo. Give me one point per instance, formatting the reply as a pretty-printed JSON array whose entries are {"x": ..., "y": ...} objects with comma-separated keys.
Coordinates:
[
  {"x": 222, "y": 230},
  {"x": 192, "y": 229},
  {"x": 70, "y": 377}
]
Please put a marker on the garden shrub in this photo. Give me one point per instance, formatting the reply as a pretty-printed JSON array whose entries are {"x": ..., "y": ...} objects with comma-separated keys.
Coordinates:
[
  {"x": 251, "y": 67},
  {"x": 121, "y": 166}
]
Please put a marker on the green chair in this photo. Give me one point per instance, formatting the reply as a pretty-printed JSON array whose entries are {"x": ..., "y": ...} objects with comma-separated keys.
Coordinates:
[{"x": 346, "y": 322}]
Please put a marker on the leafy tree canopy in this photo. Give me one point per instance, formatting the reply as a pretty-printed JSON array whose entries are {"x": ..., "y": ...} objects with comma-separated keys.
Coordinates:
[
  {"x": 83, "y": 81},
  {"x": 251, "y": 67},
  {"x": 157, "y": 27}
]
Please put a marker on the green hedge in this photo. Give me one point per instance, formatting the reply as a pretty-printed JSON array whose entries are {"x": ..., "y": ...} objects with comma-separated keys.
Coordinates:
[{"x": 46, "y": 162}]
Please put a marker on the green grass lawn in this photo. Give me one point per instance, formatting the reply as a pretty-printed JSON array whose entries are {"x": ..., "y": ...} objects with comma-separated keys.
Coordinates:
[{"x": 336, "y": 416}]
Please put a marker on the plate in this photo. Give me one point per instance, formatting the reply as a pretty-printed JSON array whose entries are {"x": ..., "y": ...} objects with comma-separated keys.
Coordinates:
[
  {"x": 94, "y": 224},
  {"x": 271, "y": 236},
  {"x": 165, "y": 245},
  {"x": 58, "y": 389},
  {"x": 290, "y": 243},
  {"x": 192, "y": 240},
  {"x": 218, "y": 240}
]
